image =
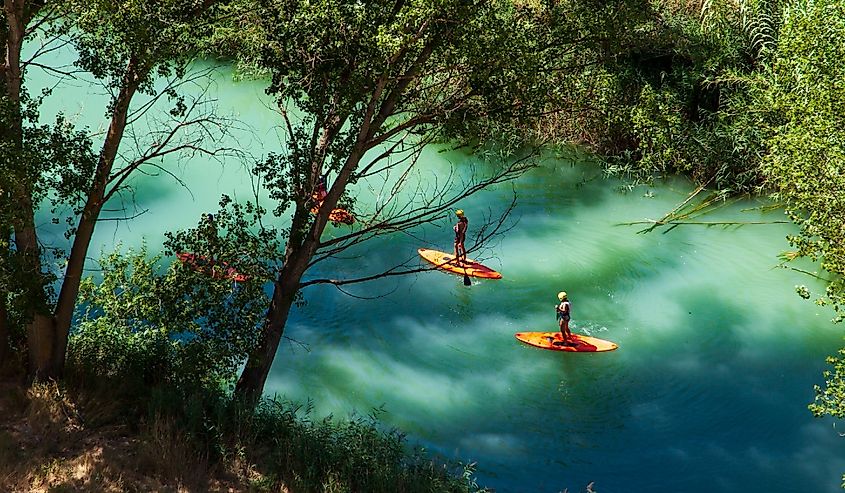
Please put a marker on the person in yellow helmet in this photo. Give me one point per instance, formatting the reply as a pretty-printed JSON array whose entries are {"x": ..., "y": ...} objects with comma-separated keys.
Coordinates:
[
  {"x": 564, "y": 313},
  {"x": 460, "y": 237}
]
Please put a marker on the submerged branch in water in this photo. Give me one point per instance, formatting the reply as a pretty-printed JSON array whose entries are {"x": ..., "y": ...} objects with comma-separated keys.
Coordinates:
[
  {"x": 802, "y": 271},
  {"x": 675, "y": 223},
  {"x": 676, "y": 217},
  {"x": 666, "y": 219}
]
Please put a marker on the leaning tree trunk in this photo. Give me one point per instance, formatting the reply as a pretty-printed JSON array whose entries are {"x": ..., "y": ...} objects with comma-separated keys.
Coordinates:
[
  {"x": 250, "y": 385},
  {"x": 299, "y": 250},
  {"x": 88, "y": 219}
]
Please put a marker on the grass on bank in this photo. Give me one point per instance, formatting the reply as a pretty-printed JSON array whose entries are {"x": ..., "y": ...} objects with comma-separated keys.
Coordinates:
[{"x": 82, "y": 438}]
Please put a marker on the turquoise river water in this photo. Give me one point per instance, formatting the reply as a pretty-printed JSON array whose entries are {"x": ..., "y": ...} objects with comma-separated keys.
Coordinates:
[{"x": 707, "y": 392}]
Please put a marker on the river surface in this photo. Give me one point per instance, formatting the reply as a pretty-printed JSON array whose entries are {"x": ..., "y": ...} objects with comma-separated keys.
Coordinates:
[{"x": 707, "y": 392}]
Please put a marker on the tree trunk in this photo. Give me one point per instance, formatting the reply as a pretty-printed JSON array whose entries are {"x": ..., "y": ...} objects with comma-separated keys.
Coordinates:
[
  {"x": 300, "y": 248},
  {"x": 40, "y": 335},
  {"x": 40, "y": 328},
  {"x": 250, "y": 385},
  {"x": 88, "y": 220}
]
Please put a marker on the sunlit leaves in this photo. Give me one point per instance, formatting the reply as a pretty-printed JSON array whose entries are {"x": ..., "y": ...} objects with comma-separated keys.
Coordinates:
[
  {"x": 173, "y": 323},
  {"x": 158, "y": 37},
  {"x": 61, "y": 161},
  {"x": 806, "y": 165},
  {"x": 830, "y": 400}
]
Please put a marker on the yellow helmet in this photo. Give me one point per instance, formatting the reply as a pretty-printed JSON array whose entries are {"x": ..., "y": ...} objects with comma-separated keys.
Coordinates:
[
  {"x": 561, "y": 296},
  {"x": 459, "y": 213}
]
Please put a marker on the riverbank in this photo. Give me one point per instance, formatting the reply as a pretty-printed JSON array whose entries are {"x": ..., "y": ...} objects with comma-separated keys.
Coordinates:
[
  {"x": 51, "y": 441},
  {"x": 65, "y": 438}
]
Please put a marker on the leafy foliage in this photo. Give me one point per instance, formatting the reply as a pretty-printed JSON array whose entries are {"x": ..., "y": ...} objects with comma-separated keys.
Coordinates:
[
  {"x": 55, "y": 161},
  {"x": 179, "y": 327},
  {"x": 831, "y": 399},
  {"x": 806, "y": 165},
  {"x": 347, "y": 455},
  {"x": 157, "y": 38},
  {"x": 235, "y": 235},
  {"x": 428, "y": 69}
]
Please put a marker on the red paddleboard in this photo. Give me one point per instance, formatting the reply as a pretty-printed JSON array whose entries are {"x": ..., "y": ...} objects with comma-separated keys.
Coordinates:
[
  {"x": 217, "y": 270},
  {"x": 553, "y": 341},
  {"x": 447, "y": 262}
]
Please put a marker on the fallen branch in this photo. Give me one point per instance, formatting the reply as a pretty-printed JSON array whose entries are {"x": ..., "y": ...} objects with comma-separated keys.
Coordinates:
[{"x": 672, "y": 222}]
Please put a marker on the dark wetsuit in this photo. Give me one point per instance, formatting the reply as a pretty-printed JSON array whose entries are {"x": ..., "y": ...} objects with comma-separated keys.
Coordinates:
[{"x": 461, "y": 231}]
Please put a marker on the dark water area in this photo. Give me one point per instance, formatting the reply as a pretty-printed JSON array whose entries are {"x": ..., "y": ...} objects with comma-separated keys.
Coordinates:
[{"x": 707, "y": 392}]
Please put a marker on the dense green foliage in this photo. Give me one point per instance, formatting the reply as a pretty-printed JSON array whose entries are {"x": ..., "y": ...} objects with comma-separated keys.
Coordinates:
[
  {"x": 662, "y": 96},
  {"x": 138, "y": 323},
  {"x": 153, "y": 38},
  {"x": 742, "y": 97},
  {"x": 831, "y": 400},
  {"x": 806, "y": 163},
  {"x": 807, "y": 160}
]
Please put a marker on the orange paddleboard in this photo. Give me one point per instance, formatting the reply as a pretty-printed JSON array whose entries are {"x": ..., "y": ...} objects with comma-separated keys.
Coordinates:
[
  {"x": 446, "y": 261},
  {"x": 553, "y": 341}
]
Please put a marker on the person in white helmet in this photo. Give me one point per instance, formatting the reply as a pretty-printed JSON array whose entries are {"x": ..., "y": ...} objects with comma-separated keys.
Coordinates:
[{"x": 564, "y": 313}]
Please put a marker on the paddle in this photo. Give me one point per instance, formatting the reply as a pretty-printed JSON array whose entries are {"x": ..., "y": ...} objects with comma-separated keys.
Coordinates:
[{"x": 467, "y": 282}]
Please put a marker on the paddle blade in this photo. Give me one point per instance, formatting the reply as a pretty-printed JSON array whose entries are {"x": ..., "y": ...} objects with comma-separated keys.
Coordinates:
[{"x": 467, "y": 281}]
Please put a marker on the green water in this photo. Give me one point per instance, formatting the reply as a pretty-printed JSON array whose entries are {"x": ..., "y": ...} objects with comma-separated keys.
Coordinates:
[{"x": 707, "y": 392}]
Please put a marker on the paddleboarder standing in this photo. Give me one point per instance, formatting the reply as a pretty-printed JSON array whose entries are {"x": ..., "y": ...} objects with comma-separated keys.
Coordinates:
[
  {"x": 564, "y": 312},
  {"x": 460, "y": 236}
]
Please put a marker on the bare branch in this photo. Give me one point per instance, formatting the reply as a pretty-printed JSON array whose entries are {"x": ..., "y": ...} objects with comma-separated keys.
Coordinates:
[
  {"x": 47, "y": 46},
  {"x": 402, "y": 268},
  {"x": 45, "y": 18},
  {"x": 392, "y": 272},
  {"x": 175, "y": 83},
  {"x": 436, "y": 205},
  {"x": 674, "y": 223},
  {"x": 70, "y": 74},
  {"x": 125, "y": 218},
  {"x": 173, "y": 136}
]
